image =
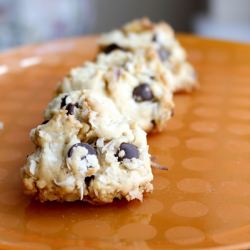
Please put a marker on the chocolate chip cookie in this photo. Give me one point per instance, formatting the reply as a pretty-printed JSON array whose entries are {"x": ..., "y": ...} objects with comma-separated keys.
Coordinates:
[
  {"x": 86, "y": 150},
  {"x": 142, "y": 34},
  {"x": 139, "y": 86}
]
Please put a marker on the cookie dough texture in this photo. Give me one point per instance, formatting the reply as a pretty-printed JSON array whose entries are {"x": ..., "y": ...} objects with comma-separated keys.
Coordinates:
[
  {"x": 142, "y": 35},
  {"x": 139, "y": 86},
  {"x": 86, "y": 150}
]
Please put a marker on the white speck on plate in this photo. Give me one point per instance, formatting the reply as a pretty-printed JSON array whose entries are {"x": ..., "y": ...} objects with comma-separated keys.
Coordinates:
[{"x": 1, "y": 125}]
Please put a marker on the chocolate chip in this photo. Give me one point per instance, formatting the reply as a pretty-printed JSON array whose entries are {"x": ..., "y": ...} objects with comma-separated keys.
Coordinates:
[
  {"x": 163, "y": 54},
  {"x": 88, "y": 179},
  {"x": 154, "y": 38},
  {"x": 153, "y": 122},
  {"x": 70, "y": 109},
  {"x": 63, "y": 102},
  {"x": 142, "y": 93},
  {"x": 45, "y": 122},
  {"x": 127, "y": 151},
  {"x": 110, "y": 48},
  {"x": 77, "y": 105},
  {"x": 91, "y": 150}
]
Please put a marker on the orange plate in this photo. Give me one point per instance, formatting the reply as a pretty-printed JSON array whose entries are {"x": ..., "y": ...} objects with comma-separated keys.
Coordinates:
[{"x": 203, "y": 201}]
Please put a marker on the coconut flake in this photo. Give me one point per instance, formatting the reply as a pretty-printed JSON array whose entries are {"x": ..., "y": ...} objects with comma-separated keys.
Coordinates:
[
  {"x": 155, "y": 164},
  {"x": 32, "y": 167},
  {"x": 69, "y": 181},
  {"x": 100, "y": 143}
]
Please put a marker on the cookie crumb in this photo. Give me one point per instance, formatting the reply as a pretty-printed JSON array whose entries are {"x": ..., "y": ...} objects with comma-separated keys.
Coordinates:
[{"x": 156, "y": 165}]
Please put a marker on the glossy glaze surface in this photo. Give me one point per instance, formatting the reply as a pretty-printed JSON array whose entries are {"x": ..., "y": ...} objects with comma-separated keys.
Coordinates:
[{"x": 202, "y": 201}]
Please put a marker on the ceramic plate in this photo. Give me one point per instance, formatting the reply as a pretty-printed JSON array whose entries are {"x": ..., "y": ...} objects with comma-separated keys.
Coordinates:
[{"x": 201, "y": 202}]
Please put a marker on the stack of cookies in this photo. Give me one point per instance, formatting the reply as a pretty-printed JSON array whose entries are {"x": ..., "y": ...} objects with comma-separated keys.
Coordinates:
[{"x": 92, "y": 145}]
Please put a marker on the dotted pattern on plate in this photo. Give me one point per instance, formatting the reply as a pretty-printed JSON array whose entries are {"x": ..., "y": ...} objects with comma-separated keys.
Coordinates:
[{"x": 201, "y": 201}]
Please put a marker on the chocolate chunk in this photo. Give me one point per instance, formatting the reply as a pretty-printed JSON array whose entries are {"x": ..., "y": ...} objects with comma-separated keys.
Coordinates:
[
  {"x": 142, "y": 93},
  {"x": 70, "y": 108},
  {"x": 45, "y": 122},
  {"x": 163, "y": 54},
  {"x": 154, "y": 38},
  {"x": 88, "y": 179},
  {"x": 63, "y": 102},
  {"x": 127, "y": 151},
  {"x": 110, "y": 48},
  {"x": 153, "y": 122},
  {"x": 91, "y": 150}
]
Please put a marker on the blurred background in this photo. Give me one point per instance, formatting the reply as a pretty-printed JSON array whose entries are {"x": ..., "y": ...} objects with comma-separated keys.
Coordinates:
[{"x": 31, "y": 21}]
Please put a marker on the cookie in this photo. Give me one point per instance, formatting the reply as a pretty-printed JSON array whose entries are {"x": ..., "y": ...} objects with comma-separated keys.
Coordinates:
[
  {"x": 86, "y": 150},
  {"x": 142, "y": 35},
  {"x": 139, "y": 86},
  {"x": 87, "y": 76}
]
